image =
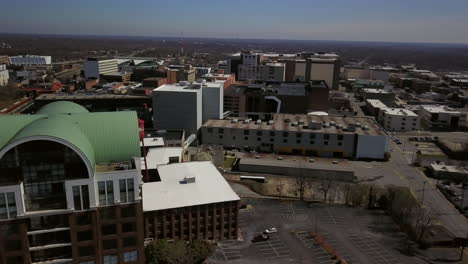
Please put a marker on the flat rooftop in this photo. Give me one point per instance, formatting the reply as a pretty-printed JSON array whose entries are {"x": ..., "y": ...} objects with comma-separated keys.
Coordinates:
[
  {"x": 208, "y": 187},
  {"x": 376, "y": 103},
  {"x": 190, "y": 87},
  {"x": 160, "y": 156},
  {"x": 153, "y": 142},
  {"x": 275, "y": 160},
  {"x": 439, "y": 109},
  {"x": 372, "y": 90},
  {"x": 305, "y": 123},
  {"x": 399, "y": 111}
]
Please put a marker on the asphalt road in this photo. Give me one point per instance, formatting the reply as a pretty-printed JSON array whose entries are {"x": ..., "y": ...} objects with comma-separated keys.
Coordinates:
[{"x": 427, "y": 193}]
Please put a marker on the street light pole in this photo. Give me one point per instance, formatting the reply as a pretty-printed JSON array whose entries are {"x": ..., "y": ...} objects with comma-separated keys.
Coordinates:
[{"x": 424, "y": 190}]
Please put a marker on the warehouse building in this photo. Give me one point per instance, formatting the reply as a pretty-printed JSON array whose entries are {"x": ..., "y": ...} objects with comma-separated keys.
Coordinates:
[{"x": 327, "y": 136}]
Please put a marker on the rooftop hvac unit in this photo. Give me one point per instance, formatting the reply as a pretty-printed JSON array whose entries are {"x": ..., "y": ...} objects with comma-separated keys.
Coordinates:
[
  {"x": 234, "y": 121},
  {"x": 358, "y": 124},
  {"x": 332, "y": 123},
  {"x": 246, "y": 121},
  {"x": 270, "y": 122},
  {"x": 315, "y": 125},
  {"x": 365, "y": 127},
  {"x": 258, "y": 122},
  {"x": 295, "y": 123},
  {"x": 188, "y": 180},
  {"x": 183, "y": 83}
]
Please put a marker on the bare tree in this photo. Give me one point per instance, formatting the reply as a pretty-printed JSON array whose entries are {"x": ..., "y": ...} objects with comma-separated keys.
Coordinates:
[
  {"x": 301, "y": 183},
  {"x": 326, "y": 184},
  {"x": 423, "y": 220},
  {"x": 346, "y": 190}
]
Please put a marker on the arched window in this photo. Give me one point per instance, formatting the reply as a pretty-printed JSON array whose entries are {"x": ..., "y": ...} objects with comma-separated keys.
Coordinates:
[{"x": 43, "y": 167}]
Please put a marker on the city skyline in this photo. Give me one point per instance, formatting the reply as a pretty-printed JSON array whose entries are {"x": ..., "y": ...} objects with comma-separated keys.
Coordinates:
[{"x": 339, "y": 20}]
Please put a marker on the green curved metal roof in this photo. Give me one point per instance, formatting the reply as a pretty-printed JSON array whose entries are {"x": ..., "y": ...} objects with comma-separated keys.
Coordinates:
[
  {"x": 60, "y": 128},
  {"x": 62, "y": 107},
  {"x": 102, "y": 137}
]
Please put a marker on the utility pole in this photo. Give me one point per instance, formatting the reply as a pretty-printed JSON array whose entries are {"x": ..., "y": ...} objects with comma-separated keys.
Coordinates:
[{"x": 424, "y": 190}]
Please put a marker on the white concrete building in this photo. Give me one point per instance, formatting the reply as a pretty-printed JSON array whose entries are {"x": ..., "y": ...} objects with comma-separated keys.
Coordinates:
[
  {"x": 4, "y": 76},
  {"x": 31, "y": 60},
  {"x": 435, "y": 117},
  {"x": 94, "y": 67},
  {"x": 399, "y": 120},
  {"x": 212, "y": 100},
  {"x": 187, "y": 105}
]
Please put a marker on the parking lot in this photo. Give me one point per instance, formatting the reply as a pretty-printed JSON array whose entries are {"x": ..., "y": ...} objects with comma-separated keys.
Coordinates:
[{"x": 355, "y": 235}]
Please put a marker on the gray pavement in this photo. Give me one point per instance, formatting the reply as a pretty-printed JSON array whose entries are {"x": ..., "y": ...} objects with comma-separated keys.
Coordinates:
[{"x": 356, "y": 235}]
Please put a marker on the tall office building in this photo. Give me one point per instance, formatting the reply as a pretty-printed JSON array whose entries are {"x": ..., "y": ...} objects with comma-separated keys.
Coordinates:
[{"x": 187, "y": 105}]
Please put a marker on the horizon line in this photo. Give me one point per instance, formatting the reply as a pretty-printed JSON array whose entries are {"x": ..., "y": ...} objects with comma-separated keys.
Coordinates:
[{"x": 224, "y": 38}]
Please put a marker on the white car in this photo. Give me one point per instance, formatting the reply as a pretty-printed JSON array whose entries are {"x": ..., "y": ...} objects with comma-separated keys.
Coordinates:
[{"x": 271, "y": 230}]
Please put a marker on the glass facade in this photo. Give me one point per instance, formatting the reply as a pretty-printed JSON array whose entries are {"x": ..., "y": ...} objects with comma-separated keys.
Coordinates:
[
  {"x": 127, "y": 191},
  {"x": 7, "y": 205},
  {"x": 106, "y": 192},
  {"x": 43, "y": 167}
]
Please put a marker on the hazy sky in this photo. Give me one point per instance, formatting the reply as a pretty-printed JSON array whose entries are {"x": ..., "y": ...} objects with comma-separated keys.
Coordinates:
[{"x": 374, "y": 20}]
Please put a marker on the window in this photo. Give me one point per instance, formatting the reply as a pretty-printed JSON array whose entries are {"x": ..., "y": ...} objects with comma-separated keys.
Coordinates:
[
  {"x": 298, "y": 135},
  {"x": 285, "y": 141},
  {"x": 259, "y": 139},
  {"x": 259, "y": 133},
  {"x": 128, "y": 211},
  {"x": 221, "y": 130},
  {"x": 312, "y": 142},
  {"x": 106, "y": 192},
  {"x": 86, "y": 251},
  {"x": 210, "y": 130},
  {"x": 272, "y": 133},
  {"x": 85, "y": 235},
  {"x": 220, "y": 136},
  {"x": 107, "y": 213},
  {"x": 88, "y": 262},
  {"x": 246, "y": 138},
  {"x": 127, "y": 190},
  {"x": 130, "y": 256},
  {"x": 109, "y": 229},
  {"x": 129, "y": 242},
  {"x": 340, "y": 137},
  {"x": 111, "y": 259},
  {"x": 109, "y": 244},
  {"x": 312, "y": 136},
  {"x": 81, "y": 197},
  {"x": 128, "y": 227},
  {"x": 340, "y": 143},
  {"x": 12, "y": 245},
  {"x": 285, "y": 134},
  {"x": 15, "y": 260},
  {"x": 272, "y": 139},
  {"x": 246, "y": 132},
  {"x": 298, "y": 141},
  {"x": 326, "y": 137},
  {"x": 7, "y": 205},
  {"x": 325, "y": 143}
]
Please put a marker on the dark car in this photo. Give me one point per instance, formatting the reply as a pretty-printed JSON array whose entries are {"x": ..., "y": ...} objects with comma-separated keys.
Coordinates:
[{"x": 260, "y": 238}]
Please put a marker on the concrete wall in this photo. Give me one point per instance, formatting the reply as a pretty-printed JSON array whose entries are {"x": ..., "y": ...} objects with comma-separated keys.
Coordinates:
[
  {"x": 213, "y": 102},
  {"x": 371, "y": 147}
]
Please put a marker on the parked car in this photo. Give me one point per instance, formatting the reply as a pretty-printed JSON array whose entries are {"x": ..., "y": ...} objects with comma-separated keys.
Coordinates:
[
  {"x": 397, "y": 141},
  {"x": 271, "y": 230},
  {"x": 260, "y": 238}
]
